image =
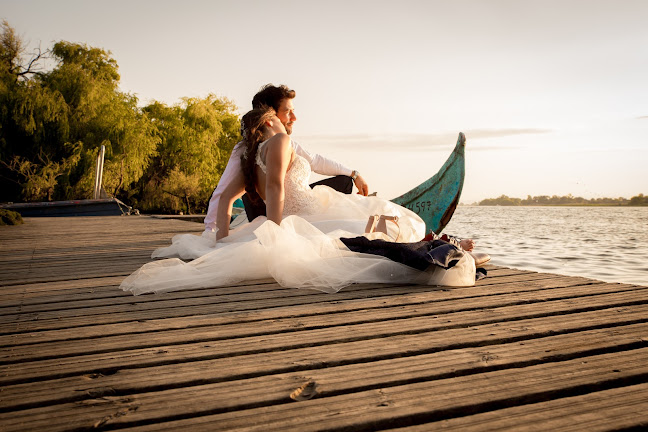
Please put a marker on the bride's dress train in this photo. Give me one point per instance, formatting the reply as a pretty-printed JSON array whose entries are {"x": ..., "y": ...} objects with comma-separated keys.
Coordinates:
[{"x": 305, "y": 251}]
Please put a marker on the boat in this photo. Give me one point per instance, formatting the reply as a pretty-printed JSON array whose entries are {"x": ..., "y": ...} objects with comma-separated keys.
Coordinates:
[
  {"x": 87, "y": 207},
  {"x": 436, "y": 199}
]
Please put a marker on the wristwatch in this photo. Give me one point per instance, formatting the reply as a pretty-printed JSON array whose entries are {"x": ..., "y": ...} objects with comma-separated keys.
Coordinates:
[{"x": 354, "y": 174}]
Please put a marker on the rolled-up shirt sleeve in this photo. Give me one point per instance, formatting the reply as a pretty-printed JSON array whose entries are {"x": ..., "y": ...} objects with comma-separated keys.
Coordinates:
[
  {"x": 232, "y": 168},
  {"x": 320, "y": 164}
]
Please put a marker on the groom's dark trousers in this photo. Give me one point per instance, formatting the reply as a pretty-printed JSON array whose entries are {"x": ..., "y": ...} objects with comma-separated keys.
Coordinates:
[{"x": 340, "y": 183}]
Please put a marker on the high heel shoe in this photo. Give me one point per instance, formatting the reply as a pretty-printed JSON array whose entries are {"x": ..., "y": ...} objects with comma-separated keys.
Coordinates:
[{"x": 378, "y": 223}]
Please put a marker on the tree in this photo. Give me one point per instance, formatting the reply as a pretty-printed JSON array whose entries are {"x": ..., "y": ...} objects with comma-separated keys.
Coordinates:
[
  {"x": 100, "y": 114},
  {"x": 196, "y": 138},
  {"x": 31, "y": 119},
  {"x": 639, "y": 200},
  {"x": 12, "y": 50},
  {"x": 53, "y": 123},
  {"x": 502, "y": 200}
]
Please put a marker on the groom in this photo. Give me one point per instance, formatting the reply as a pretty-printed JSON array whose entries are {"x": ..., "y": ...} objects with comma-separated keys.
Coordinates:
[{"x": 232, "y": 183}]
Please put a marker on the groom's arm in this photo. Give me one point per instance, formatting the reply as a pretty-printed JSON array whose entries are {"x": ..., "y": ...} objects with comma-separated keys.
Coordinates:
[
  {"x": 233, "y": 191},
  {"x": 231, "y": 183},
  {"x": 325, "y": 166}
]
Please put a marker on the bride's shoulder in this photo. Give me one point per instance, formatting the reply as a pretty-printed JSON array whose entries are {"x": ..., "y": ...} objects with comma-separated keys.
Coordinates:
[
  {"x": 281, "y": 137},
  {"x": 279, "y": 142},
  {"x": 279, "y": 146}
]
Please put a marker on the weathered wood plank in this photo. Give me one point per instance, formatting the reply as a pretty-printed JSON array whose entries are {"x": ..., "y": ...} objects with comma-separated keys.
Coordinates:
[
  {"x": 250, "y": 290},
  {"x": 51, "y": 250},
  {"x": 351, "y": 345},
  {"x": 420, "y": 317},
  {"x": 420, "y": 401},
  {"x": 101, "y": 290},
  {"x": 391, "y": 371},
  {"x": 373, "y": 309},
  {"x": 318, "y": 303},
  {"x": 622, "y": 408}
]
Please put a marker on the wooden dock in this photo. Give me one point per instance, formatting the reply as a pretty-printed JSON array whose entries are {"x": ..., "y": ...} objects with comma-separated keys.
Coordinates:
[{"x": 521, "y": 351}]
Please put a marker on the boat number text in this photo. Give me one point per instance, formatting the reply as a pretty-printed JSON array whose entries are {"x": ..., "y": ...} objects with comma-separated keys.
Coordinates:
[{"x": 420, "y": 206}]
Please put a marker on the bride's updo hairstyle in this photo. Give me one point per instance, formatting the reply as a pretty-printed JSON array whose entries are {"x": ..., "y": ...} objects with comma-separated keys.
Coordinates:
[{"x": 252, "y": 130}]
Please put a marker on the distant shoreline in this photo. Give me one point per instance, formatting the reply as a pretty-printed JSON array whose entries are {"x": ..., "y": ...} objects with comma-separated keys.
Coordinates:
[
  {"x": 563, "y": 201},
  {"x": 552, "y": 205}
]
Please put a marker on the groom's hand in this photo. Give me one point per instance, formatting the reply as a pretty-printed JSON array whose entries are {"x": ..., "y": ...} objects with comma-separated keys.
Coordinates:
[{"x": 361, "y": 184}]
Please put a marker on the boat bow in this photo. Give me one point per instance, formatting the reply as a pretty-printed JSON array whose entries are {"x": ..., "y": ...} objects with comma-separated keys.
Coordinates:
[{"x": 436, "y": 199}]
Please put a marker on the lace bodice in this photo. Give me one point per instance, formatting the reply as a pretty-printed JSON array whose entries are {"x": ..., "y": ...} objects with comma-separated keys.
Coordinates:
[{"x": 299, "y": 198}]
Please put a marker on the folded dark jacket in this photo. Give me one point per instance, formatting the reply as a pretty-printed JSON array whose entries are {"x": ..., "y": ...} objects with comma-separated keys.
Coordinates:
[{"x": 419, "y": 255}]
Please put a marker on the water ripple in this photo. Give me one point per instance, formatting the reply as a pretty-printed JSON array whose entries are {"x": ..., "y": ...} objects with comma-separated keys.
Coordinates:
[{"x": 606, "y": 243}]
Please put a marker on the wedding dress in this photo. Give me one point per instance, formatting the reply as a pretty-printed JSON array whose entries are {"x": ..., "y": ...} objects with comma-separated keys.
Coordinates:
[{"x": 305, "y": 251}]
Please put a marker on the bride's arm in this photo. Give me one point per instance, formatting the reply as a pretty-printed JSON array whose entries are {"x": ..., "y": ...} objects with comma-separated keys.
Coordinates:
[{"x": 277, "y": 161}]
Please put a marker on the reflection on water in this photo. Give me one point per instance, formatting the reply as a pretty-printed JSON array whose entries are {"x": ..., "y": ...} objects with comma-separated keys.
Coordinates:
[{"x": 605, "y": 243}]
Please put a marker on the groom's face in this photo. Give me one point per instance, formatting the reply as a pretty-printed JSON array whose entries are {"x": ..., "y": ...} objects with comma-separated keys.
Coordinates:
[{"x": 286, "y": 114}]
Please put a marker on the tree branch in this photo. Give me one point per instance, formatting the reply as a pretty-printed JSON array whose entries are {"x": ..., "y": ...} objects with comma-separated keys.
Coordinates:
[{"x": 38, "y": 54}]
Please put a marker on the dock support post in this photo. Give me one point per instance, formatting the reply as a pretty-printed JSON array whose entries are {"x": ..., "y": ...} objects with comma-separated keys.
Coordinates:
[{"x": 99, "y": 172}]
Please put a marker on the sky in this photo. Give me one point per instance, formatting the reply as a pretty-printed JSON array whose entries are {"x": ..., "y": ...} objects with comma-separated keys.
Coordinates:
[{"x": 551, "y": 95}]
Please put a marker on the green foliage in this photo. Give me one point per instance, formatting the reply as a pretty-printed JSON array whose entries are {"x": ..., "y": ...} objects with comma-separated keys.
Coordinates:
[
  {"x": 52, "y": 124},
  {"x": 196, "y": 138},
  {"x": 639, "y": 200},
  {"x": 8, "y": 217},
  {"x": 99, "y": 114},
  {"x": 569, "y": 200},
  {"x": 503, "y": 200},
  {"x": 11, "y": 48},
  {"x": 39, "y": 179},
  {"x": 31, "y": 116}
]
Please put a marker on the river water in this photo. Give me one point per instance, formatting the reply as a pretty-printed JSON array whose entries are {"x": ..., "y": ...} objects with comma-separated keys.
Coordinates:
[{"x": 604, "y": 243}]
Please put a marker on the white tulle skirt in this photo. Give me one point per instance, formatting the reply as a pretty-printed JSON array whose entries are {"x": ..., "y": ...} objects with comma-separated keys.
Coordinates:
[{"x": 303, "y": 252}]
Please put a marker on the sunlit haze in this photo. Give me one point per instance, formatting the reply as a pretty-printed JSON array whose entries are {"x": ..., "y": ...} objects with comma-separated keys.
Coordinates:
[{"x": 552, "y": 95}]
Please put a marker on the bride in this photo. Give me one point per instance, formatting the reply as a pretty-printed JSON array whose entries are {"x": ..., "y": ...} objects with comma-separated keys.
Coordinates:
[{"x": 311, "y": 238}]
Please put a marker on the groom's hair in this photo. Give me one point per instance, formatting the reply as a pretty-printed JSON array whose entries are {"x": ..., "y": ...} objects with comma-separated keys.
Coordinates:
[{"x": 271, "y": 95}]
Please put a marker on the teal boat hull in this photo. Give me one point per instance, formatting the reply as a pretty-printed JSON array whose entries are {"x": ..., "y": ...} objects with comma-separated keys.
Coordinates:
[{"x": 436, "y": 199}]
